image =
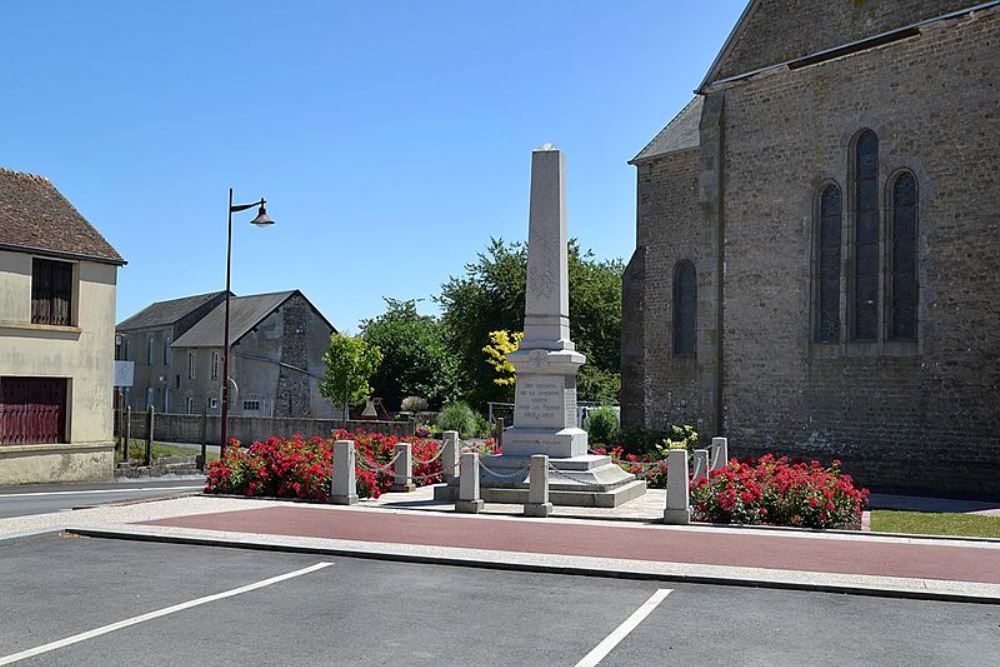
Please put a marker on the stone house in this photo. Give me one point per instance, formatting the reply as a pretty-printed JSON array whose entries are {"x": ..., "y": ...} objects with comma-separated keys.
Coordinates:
[
  {"x": 57, "y": 314},
  {"x": 817, "y": 235},
  {"x": 277, "y": 343}
]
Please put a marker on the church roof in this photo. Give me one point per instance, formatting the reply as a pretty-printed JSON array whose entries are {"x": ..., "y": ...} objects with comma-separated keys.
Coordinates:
[
  {"x": 680, "y": 134},
  {"x": 35, "y": 217}
]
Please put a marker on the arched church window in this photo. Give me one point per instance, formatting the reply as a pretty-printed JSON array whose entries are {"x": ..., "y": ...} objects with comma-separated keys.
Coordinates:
[
  {"x": 685, "y": 308},
  {"x": 903, "y": 298},
  {"x": 866, "y": 224},
  {"x": 828, "y": 269}
]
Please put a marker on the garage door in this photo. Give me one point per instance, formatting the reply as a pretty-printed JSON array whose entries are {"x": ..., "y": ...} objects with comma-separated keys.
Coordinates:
[{"x": 32, "y": 410}]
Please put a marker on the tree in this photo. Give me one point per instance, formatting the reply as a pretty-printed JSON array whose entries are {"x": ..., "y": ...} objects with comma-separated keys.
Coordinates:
[
  {"x": 416, "y": 361},
  {"x": 490, "y": 297},
  {"x": 501, "y": 344},
  {"x": 350, "y": 364}
]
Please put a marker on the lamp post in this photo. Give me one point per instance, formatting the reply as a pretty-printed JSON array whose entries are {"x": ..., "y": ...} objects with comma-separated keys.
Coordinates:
[{"x": 261, "y": 221}]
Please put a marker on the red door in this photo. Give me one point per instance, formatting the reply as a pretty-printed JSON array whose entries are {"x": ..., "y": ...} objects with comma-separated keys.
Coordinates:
[{"x": 32, "y": 410}]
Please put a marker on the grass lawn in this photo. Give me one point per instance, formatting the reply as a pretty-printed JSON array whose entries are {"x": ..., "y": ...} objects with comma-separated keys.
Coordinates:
[
  {"x": 931, "y": 523},
  {"x": 137, "y": 451}
]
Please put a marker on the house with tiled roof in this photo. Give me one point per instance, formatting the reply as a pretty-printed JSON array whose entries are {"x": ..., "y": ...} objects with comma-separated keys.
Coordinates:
[
  {"x": 57, "y": 315},
  {"x": 277, "y": 342}
]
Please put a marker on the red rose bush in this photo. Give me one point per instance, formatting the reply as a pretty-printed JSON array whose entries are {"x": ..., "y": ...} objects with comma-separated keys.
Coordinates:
[{"x": 778, "y": 492}]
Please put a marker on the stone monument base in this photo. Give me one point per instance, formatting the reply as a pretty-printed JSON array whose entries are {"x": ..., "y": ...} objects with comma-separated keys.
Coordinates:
[{"x": 589, "y": 480}]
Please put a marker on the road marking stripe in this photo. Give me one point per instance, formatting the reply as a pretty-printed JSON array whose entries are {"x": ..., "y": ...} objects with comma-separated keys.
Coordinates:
[
  {"x": 90, "y": 634},
  {"x": 638, "y": 616},
  {"x": 80, "y": 493}
]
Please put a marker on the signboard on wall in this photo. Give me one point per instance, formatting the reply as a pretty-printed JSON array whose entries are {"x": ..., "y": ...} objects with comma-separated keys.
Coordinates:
[{"x": 124, "y": 373}]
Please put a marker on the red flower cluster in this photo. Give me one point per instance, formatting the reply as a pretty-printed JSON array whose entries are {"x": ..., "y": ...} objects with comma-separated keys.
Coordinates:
[
  {"x": 302, "y": 468},
  {"x": 776, "y": 491}
]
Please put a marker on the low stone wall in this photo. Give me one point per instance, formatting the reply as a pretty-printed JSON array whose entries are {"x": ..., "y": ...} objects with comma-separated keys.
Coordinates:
[
  {"x": 169, "y": 427},
  {"x": 24, "y": 464}
]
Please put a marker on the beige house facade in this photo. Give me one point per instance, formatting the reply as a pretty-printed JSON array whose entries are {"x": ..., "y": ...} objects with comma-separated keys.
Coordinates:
[{"x": 57, "y": 315}]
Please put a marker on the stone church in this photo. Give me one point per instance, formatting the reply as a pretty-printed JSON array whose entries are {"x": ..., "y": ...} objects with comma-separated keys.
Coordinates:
[{"x": 817, "y": 263}]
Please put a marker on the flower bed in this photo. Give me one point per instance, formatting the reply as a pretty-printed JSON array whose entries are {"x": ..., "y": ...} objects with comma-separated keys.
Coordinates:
[
  {"x": 776, "y": 491},
  {"x": 302, "y": 468}
]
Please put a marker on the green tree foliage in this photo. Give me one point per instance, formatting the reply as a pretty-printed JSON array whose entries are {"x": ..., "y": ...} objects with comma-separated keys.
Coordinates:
[
  {"x": 491, "y": 294},
  {"x": 350, "y": 364},
  {"x": 416, "y": 361}
]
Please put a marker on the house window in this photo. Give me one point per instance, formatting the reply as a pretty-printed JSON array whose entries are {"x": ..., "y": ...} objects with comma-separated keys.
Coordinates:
[
  {"x": 685, "y": 308},
  {"x": 213, "y": 403},
  {"x": 190, "y": 365},
  {"x": 51, "y": 292},
  {"x": 215, "y": 365},
  {"x": 167, "y": 339},
  {"x": 149, "y": 350},
  {"x": 189, "y": 405},
  {"x": 149, "y": 397},
  {"x": 828, "y": 266},
  {"x": 866, "y": 224},
  {"x": 166, "y": 399},
  {"x": 251, "y": 405},
  {"x": 902, "y": 260}
]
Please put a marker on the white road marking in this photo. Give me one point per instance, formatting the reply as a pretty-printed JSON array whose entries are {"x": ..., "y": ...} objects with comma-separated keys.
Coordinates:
[
  {"x": 80, "y": 493},
  {"x": 97, "y": 632},
  {"x": 638, "y": 616}
]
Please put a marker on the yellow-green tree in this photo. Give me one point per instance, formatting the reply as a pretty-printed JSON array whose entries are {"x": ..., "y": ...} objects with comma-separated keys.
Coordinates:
[{"x": 501, "y": 344}]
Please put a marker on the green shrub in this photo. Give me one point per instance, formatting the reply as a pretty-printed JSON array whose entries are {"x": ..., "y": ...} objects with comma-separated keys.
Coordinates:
[
  {"x": 640, "y": 440},
  {"x": 602, "y": 425},
  {"x": 458, "y": 416},
  {"x": 681, "y": 437}
]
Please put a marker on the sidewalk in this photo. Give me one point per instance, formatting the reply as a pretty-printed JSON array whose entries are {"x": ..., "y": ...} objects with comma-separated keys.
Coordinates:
[{"x": 942, "y": 569}]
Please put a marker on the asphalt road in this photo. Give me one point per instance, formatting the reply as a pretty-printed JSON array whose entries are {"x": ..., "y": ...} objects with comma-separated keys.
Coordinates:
[
  {"x": 370, "y": 612},
  {"x": 45, "y": 498}
]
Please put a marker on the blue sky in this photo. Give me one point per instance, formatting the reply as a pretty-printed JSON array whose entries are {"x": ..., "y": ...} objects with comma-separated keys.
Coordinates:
[{"x": 391, "y": 139}]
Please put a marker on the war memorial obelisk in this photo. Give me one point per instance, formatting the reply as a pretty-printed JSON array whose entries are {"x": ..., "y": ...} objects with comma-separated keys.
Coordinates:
[{"x": 546, "y": 365}]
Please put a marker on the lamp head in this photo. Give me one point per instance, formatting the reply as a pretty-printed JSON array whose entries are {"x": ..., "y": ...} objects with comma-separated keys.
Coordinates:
[{"x": 262, "y": 220}]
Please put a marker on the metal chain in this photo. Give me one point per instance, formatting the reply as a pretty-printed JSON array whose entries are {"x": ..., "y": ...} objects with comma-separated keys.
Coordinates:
[{"x": 519, "y": 471}]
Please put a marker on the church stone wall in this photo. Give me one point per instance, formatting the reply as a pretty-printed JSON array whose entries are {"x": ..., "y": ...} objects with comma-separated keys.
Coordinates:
[
  {"x": 776, "y": 31},
  {"x": 670, "y": 228},
  {"x": 915, "y": 417}
]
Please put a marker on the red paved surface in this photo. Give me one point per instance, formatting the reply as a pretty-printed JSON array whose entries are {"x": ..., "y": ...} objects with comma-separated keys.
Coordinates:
[{"x": 603, "y": 541}]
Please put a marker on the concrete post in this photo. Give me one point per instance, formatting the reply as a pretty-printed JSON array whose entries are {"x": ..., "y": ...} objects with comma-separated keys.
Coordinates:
[
  {"x": 402, "y": 470},
  {"x": 700, "y": 465},
  {"x": 469, "y": 500},
  {"x": 345, "y": 490},
  {"x": 538, "y": 487},
  {"x": 128, "y": 432},
  {"x": 150, "y": 421},
  {"x": 720, "y": 453},
  {"x": 449, "y": 457},
  {"x": 678, "y": 509}
]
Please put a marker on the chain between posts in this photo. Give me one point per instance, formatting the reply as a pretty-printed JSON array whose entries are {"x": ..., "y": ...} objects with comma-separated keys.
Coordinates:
[
  {"x": 431, "y": 459},
  {"x": 516, "y": 473}
]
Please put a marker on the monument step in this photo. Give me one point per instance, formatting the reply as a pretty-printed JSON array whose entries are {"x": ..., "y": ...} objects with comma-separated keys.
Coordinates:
[{"x": 582, "y": 498}]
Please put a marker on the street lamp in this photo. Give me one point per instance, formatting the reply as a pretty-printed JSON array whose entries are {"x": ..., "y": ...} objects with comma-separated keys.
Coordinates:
[{"x": 261, "y": 221}]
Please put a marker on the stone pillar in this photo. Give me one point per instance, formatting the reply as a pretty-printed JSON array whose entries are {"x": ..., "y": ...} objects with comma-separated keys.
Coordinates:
[
  {"x": 700, "y": 465},
  {"x": 538, "y": 487},
  {"x": 345, "y": 490},
  {"x": 501, "y": 425},
  {"x": 720, "y": 453},
  {"x": 402, "y": 470},
  {"x": 128, "y": 432},
  {"x": 678, "y": 509},
  {"x": 469, "y": 500},
  {"x": 449, "y": 457}
]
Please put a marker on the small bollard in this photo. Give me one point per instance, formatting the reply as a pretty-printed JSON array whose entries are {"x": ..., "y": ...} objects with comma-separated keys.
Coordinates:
[
  {"x": 538, "y": 487},
  {"x": 345, "y": 489},
  {"x": 402, "y": 469},
  {"x": 720, "y": 453},
  {"x": 449, "y": 457},
  {"x": 700, "y": 465},
  {"x": 469, "y": 501},
  {"x": 501, "y": 425},
  {"x": 678, "y": 509}
]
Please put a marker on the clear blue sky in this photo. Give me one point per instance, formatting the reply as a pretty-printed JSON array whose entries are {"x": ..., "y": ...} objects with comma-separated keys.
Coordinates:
[{"x": 390, "y": 139}]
